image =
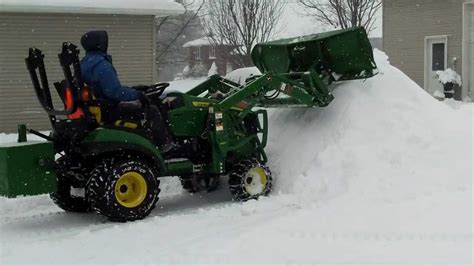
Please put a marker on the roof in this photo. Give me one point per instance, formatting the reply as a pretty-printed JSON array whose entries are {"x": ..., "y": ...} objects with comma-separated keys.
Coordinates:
[
  {"x": 135, "y": 7},
  {"x": 203, "y": 41}
]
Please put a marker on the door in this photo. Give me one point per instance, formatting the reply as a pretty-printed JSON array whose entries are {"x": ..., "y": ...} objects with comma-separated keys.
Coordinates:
[{"x": 435, "y": 60}]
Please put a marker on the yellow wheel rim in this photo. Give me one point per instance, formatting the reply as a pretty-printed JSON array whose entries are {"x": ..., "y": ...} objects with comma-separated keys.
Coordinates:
[
  {"x": 130, "y": 189},
  {"x": 256, "y": 181}
]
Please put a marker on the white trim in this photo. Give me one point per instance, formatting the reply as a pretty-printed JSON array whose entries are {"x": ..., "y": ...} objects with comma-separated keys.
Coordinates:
[
  {"x": 427, "y": 38},
  {"x": 212, "y": 52},
  {"x": 154, "y": 35},
  {"x": 465, "y": 53},
  {"x": 197, "y": 53}
]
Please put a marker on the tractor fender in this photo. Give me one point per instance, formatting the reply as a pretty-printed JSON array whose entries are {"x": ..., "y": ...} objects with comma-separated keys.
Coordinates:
[{"x": 104, "y": 140}]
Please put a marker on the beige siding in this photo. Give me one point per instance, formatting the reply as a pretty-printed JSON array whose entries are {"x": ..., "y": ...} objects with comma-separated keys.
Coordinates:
[
  {"x": 131, "y": 45},
  {"x": 406, "y": 23}
]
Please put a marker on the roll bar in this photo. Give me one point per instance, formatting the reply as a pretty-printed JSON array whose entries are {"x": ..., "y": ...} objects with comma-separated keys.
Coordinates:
[{"x": 69, "y": 61}]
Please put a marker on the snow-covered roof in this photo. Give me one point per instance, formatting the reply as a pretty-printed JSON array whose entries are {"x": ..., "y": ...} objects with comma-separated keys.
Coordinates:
[
  {"x": 125, "y": 7},
  {"x": 204, "y": 41}
]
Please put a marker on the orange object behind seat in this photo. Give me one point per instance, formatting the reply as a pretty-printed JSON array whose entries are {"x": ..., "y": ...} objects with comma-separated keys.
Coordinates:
[{"x": 79, "y": 113}]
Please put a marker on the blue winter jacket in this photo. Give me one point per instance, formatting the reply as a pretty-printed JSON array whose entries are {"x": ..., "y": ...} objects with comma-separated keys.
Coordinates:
[{"x": 101, "y": 76}]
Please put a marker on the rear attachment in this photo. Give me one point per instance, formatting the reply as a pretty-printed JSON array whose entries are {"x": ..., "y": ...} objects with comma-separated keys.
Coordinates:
[{"x": 26, "y": 168}]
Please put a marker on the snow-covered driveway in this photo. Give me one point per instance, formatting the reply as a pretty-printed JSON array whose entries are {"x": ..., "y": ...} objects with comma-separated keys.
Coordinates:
[{"x": 381, "y": 176}]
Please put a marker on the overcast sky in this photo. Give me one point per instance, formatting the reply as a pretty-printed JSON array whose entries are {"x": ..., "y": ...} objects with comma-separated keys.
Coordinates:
[{"x": 295, "y": 23}]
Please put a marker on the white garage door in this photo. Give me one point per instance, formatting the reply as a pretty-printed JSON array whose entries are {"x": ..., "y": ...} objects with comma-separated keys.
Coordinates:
[{"x": 131, "y": 44}]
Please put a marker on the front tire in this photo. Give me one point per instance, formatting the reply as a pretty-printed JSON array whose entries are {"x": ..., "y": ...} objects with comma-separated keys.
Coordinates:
[
  {"x": 250, "y": 179},
  {"x": 123, "y": 189}
]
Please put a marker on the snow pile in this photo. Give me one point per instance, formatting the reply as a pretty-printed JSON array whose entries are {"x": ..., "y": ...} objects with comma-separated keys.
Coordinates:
[
  {"x": 465, "y": 107},
  {"x": 383, "y": 175},
  {"x": 213, "y": 70},
  {"x": 184, "y": 85},
  {"x": 449, "y": 76},
  {"x": 439, "y": 95},
  {"x": 381, "y": 139},
  {"x": 242, "y": 74}
]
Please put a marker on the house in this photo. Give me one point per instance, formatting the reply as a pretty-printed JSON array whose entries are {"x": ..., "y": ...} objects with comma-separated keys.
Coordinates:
[
  {"x": 422, "y": 37},
  {"x": 203, "y": 53},
  {"x": 173, "y": 33},
  {"x": 46, "y": 24},
  {"x": 377, "y": 43}
]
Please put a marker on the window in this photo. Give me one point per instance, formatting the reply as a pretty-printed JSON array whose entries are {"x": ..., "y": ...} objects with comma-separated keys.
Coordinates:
[
  {"x": 212, "y": 52},
  {"x": 438, "y": 56},
  {"x": 197, "y": 53}
]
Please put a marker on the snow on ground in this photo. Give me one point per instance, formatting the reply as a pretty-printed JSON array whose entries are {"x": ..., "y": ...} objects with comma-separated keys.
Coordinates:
[
  {"x": 381, "y": 176},
  {"x": 8, "y": 138}
]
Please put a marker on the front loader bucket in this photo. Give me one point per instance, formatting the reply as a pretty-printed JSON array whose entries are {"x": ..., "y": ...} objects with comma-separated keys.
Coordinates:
[
  {"x": 342, "y": 55},
  {"x": 26, "y": 169}
]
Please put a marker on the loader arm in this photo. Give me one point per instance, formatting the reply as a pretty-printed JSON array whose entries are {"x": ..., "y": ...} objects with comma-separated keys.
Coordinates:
[{"x": 298, "y": 72}]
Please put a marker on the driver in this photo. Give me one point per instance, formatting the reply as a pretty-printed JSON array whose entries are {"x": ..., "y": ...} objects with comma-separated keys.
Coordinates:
[{"x": 127, "y": 103}]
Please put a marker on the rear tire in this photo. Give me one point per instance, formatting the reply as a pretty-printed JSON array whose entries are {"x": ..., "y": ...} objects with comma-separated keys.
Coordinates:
[
  {"x": 123, "y": 189},
  {"x": 194, "y": 183},
  {"x": 250, "y": 179}
]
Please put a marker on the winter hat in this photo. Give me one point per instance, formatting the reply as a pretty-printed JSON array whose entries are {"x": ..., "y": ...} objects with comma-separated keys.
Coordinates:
[{"x": 95, "y": 41}]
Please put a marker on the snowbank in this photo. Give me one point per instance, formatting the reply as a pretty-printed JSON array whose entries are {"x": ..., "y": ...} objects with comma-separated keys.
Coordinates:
[
  {"x": 381, "y": 176},
  {"x": 240, "y": 75},
  {"x": 213, "y": 70},
  {"x": 381, "y": 138},
  {"x": 184, "y": 85}
]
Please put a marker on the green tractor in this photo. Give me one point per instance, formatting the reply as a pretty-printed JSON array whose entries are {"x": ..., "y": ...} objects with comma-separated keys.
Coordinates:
[{"x": 220, "y": 128}]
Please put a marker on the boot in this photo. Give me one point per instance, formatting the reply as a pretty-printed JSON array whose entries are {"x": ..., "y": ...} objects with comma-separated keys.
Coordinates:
[{"x": 160, "y": 132}]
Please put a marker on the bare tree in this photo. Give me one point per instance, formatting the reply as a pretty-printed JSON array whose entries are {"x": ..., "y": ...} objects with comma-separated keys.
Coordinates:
[
  {"x": 177, "y": 25},
  {"x": 173, "y": 32},
  {"x": 242, "y": 24},
  {"x": 343, "y": 13}
]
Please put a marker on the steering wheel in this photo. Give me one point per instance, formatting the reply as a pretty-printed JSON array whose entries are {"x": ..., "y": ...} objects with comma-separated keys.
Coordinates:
[{"x": 155, "y": 90}]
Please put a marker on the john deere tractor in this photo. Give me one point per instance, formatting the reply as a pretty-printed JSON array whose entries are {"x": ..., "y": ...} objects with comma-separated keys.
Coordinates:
[{"x": 113, "y": 167}]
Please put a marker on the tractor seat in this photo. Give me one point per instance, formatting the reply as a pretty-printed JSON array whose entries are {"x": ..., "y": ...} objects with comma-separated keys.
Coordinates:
[{"x": 92, "y": 111}]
